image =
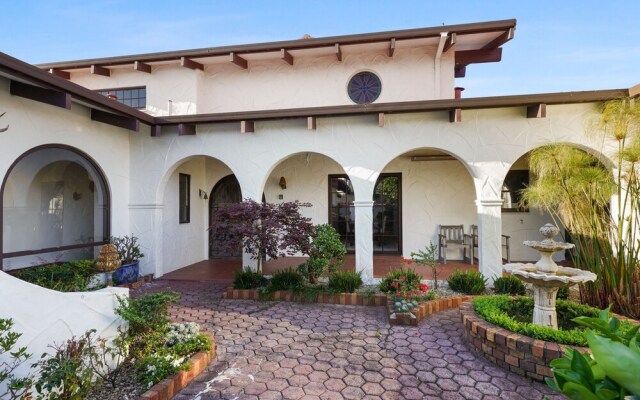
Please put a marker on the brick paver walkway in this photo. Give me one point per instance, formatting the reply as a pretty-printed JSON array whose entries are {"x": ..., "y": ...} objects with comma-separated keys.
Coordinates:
[{"x": 312, "y": 351}]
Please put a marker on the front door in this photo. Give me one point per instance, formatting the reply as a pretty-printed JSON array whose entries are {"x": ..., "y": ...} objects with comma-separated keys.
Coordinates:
[{"x": 227, "y": 190}]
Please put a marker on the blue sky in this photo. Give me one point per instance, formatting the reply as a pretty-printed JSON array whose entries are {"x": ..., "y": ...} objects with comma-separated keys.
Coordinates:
[{"x": 559, "y": 46}]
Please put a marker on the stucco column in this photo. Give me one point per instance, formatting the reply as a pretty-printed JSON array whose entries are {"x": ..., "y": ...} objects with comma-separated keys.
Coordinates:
[
  {"x": 364, "y": 238},
  {"x": 490, "y": 238},
  {"x": 149, "y": 217}
]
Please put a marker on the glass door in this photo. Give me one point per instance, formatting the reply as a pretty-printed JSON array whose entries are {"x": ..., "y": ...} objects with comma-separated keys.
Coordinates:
[{"x": 387, "y": 236}]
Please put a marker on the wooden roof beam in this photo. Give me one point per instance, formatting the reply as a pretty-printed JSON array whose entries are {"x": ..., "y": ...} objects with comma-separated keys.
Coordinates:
[
  {"x": 186, "y": 129},
  {"x": 460, "y": 71},
  {"x": 381, "y": 120},
  {"x": 286, "y": 56},
  {"x": 311, "y": 123},
  {"x": 338, "y": 52},
  {"x": 142, "y": 67},
  {"x": 537, "y": 111},
  {"x": 120, "y": 121},
  {"x": 189, "y": 63},
  {"x": 478, "y": 56},
  {"x": 156, "y": 130},
  {"x": 451, "y": 41},
  {"x": 42, "y": 95},
  {"x": 392, "y": 47},
  {"x": 247, "y": 127},
  {"x": 98, "y": 70},
  {"x": 60, "y": 73},
  {"x": 455, "y": 115},
  {"x": 500, "y": 40},
  {"x": 239, "y": 61}
]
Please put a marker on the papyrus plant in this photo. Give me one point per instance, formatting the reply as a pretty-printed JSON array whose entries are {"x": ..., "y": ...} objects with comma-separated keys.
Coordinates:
[{"x": 598, "y": 205}]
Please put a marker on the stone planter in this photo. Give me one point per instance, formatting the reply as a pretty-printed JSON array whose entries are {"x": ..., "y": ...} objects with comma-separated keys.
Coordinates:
[
  {"x": 423, "y": 310},
  {"x": 127, "y": 273}
]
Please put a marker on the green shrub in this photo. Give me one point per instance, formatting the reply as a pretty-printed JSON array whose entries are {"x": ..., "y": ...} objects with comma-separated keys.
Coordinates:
[
  {"x": 71, "y": 276},
  {"x": 509, "y": 285},
  {"x": 12, "y": 359},
  {"x": 563, "y": 293},
  {"x": 516, "y": 315},
  {"x": 65, "y": 374},
  {"x": 400, "y": 278},
  {"x": 467, "y": 282},
  {"x": 326, "y": 252},
  {"x": 345, "y": 281},
  {"x": 287, "y": 279},
  {"x": 249, "y": 279}
]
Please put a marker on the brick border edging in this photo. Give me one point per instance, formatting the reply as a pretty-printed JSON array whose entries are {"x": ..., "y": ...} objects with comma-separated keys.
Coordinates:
[
  {"x": 423, "y": 310},
  {"x": 356, "y": 299},
  {"x": 170, "y": 386},
  {"x": 512, "y": 351}
]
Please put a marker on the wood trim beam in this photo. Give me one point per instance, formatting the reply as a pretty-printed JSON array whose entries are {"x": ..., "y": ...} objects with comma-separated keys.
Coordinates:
[
  {"x": 62, "y": 74},
  {"x": 500, "y": 40},
  {"x": 537, "y": 111},
  {"x": 156, "y": 130},
  {"x": 42, "y": 95},
  {"x": 142, "y": 67},
  {"x": 120, "y": 121},
  {"x": 286, "y": 56},
  {"x": 186, "y": 129},
  {"x": 189, "y": 63},
  {"x": 98, "y": 70},
  {"x": 239, "y": 61},
  {"x": 381, "y": 120},
  {"x": 455, "y": 115},
  {"x": 247, "y": 127},
  {"x": 451, "y": 41},
  {"x": 478, "y": 56},
  {"x": 311, "y": 123},
  {"x": 338, "y": 52},
  {"x": 460, "y": 71},
  {"x": 392, "y": 47}
]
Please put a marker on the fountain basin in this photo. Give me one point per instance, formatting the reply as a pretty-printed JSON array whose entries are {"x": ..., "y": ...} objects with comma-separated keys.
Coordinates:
[{"x": 564, "y": 276}]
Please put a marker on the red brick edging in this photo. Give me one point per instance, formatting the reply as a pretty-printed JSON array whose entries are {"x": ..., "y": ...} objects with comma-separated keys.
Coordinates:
[
  {"x": 356, "y": 299},
  {"x": 423, "y": 310},
  {"x": 170, "y": 386},
  {"x": 512, "y": 351}
]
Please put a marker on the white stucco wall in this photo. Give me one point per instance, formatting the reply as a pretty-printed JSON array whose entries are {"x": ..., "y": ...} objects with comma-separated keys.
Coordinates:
[
  {"x": 45, "y": 317},
  {"x": 33, "y": 124},
  {"x": 274, "y": 84},
  {"x": 486, "y": 141}
]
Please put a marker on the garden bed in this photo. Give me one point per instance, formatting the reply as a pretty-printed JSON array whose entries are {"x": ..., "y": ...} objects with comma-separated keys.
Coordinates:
[
  {"x": 423, "y": 310},
  {"x": 509, "y": 350},
  {"x": 360, "y": 299}
]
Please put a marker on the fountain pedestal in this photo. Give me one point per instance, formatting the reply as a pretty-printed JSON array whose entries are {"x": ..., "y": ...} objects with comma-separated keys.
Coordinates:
[{"x": 547, "y": 277}]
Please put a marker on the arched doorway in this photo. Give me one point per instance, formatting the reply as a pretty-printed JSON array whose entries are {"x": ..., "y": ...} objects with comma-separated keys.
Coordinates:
[
  {"x": 226, "y": 191},
  {"x": 55, "y": 206}
]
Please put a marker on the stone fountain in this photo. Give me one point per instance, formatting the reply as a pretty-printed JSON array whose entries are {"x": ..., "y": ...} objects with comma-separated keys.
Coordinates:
[{"x": 547, "y": 277}]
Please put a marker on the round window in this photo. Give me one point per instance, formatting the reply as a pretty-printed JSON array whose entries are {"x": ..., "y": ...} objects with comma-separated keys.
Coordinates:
[{"x": 364, "y": 88}]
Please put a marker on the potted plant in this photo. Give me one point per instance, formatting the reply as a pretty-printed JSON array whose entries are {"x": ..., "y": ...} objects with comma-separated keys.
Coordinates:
[{"x": 130, "y": 255}]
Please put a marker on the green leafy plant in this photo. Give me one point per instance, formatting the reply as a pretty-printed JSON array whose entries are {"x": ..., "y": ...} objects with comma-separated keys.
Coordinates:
[
  {"x": 563, "y": 293},
  {"x": 576, "y": 189},
  {"x": 401, "y": 305},
  {"x": 326, "y": 252},
  {"x": 509, "y": 285},
  {"x": 428, "y": 256},
  {"x": 248, "y": 279},
  {"x": 106, "y": 357},
  {"x": 399, "y": 279},
  {"x": 65, "y": 374},
  {"x": 345, "y": 281},
  {"x": 128, "y": 248},
  {"x": 612, "y": 369},
  {"x": 148, "y": 320},
  {"x": 12, "y": 359},
  {"x": 467, "y": 282},
  {"x": 287, "y": 279},
  {"x": 71, "y": 276}
]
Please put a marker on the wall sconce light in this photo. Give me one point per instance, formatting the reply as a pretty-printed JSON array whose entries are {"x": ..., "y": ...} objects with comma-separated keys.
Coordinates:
[
  {"x": 283, "y": 183},
  {"x": 77, "y": 196},
  {"x": 202, "y": 194}
]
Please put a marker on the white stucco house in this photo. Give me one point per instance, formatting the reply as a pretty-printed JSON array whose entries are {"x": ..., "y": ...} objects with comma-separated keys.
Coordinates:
[{"x": 368, "y": 128}]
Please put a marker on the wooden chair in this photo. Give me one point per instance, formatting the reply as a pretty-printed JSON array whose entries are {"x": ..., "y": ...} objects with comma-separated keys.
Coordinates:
[
  {"x": 472, "y": 241},
  {"x": 451, "y": 235}
]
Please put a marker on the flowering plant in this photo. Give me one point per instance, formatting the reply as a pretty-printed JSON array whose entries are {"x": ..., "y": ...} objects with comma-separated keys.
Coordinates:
[{"x": 406, "y": 288}]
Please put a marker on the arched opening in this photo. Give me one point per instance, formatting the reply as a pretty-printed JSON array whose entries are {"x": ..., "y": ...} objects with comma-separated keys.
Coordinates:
[
  {"x": 55, "y": 207},
  {"x": 226, "y": 191},
  {"x": 415, "y": 193}
]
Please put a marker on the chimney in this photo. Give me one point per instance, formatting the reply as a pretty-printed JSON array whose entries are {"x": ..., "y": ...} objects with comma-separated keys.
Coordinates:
[{"x": 459, "y": 92}]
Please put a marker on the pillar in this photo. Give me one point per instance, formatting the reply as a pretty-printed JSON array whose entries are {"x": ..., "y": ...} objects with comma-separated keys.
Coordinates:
[
  {"x": 364, "y": 238},
  {"x": 490, "y": 238}
]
